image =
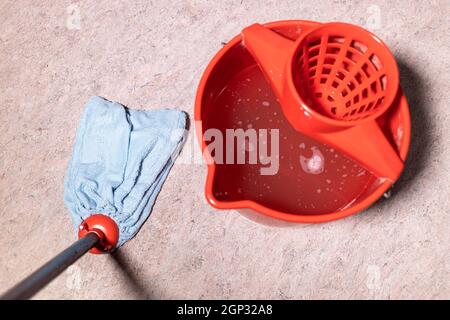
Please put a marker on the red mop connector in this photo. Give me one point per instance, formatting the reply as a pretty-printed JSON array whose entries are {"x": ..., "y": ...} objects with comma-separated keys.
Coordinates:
[{"x": 105, "y": 228}]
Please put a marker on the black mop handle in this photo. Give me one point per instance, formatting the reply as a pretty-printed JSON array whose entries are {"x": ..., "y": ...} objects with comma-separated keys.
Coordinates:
[{"x": 45, "y": 274}]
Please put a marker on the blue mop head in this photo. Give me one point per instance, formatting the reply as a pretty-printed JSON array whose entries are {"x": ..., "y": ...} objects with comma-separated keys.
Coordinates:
[{"x": 120, "y": 160}]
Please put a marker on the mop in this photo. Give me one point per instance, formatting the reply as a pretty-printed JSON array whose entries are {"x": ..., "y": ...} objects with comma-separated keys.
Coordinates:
[{"x": 120, "y": 161}]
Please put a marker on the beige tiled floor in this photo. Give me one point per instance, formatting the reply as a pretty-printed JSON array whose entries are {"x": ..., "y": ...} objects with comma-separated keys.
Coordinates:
[{"x": 150, "y": 54}]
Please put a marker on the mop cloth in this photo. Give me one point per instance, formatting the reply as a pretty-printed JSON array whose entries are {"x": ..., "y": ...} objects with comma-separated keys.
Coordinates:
[{"x": 120, "y": 161}]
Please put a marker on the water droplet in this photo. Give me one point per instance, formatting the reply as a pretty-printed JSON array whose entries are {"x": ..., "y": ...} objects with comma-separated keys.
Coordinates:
[{"x": 361, "y": 173}]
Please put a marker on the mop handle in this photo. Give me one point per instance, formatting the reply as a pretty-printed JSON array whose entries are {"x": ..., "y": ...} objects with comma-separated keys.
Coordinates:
[{"x": 44, "y": 275}]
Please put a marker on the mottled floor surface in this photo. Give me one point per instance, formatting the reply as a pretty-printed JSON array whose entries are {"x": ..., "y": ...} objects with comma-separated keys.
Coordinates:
[{"x": 148, "y": 54}]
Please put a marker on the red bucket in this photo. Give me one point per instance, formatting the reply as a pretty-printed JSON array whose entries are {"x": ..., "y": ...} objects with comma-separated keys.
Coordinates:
[{"x": 314, "y": 181}]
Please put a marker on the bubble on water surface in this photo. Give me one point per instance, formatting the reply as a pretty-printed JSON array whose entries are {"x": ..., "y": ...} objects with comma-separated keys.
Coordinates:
[{"x": 315, "y": 164}]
